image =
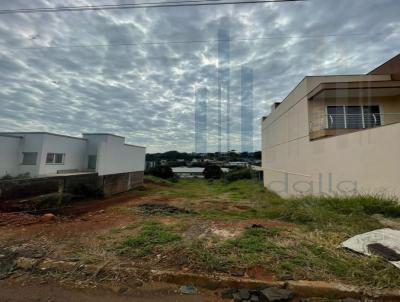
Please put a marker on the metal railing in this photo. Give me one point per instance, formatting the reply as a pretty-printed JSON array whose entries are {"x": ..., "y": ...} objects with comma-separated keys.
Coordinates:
[{"x": 353, "y": 121}]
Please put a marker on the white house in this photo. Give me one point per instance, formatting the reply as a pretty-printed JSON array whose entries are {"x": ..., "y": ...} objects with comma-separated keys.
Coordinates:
[{"x": 45, "y": 154}]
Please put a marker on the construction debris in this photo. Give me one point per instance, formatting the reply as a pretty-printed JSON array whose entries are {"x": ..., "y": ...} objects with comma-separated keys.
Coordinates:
[
  {"x": 269, "y": 294},
  {"x": 383, "y": 242},
  {"x": 187, "y": 289}
]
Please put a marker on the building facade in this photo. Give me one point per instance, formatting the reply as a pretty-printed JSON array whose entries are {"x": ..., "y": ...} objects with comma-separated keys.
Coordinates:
[
  {"x": 336, "y": 135},
  {"x": 44, "y": 154}
]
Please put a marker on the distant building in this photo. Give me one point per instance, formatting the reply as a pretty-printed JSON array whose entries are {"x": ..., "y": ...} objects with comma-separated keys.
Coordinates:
[
  {"x": 238, "y": 164},
  {"x": 191, "y": 172}
]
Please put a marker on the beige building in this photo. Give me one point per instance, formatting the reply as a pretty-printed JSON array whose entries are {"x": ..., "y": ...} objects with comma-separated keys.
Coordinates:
[{"x": 336, "y": 135}]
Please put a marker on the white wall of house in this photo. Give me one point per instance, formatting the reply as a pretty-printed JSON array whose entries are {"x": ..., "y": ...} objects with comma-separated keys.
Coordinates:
[
  {"x": 75, "y": 150},
  {"x": 31, "y": 142},
  {"x": 365, "y": 161},
  {"x": 9, "y": 155},
  {"x": 114, "y": 156}
]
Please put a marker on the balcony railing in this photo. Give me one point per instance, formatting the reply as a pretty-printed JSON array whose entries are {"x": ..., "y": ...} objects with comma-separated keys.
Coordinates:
[{"x": 353, "y": 121}]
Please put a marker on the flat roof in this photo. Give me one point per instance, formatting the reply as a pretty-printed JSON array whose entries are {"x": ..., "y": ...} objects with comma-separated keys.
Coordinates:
[
  {"x": 130, "y": 145},
  {"x": 192, "y": 169},
  {"x": 110, "y": 134},
  {"x": 12, "y": 136},
  {"x": 390, "y": 87},
  {"x": 46, "y": 133}
]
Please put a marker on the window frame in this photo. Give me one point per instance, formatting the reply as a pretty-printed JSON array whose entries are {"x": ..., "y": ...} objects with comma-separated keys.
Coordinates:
[{"x": 53, "y": 162}]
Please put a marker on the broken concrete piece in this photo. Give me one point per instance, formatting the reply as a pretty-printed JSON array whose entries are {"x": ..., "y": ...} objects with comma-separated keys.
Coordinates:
[
  {"x": 228, "y": 293},
  {"x": 236, "y": 297},
  {"x": 187, "y": 289},
  {"x": 254, "y": 298},
  {"x": 244, "y": 293},
  {"x": 275, "y": 294}
]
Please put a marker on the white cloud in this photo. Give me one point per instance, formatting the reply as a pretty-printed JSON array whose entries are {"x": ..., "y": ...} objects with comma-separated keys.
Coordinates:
[{"x": 146, "y": 91}]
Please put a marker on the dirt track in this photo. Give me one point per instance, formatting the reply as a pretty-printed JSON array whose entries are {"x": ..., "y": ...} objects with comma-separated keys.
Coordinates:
[{"x": 14, "y": 292}]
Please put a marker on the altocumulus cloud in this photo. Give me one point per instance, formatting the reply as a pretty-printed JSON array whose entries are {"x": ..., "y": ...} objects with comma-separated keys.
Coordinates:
[{"x": 146, "y": 91}]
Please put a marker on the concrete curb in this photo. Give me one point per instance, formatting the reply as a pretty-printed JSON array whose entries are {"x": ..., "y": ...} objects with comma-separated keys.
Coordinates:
[{"x": 304, "y": 289}]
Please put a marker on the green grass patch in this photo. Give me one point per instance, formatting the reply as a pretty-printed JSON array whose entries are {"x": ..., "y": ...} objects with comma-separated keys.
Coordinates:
[
  {"x": 151, "y": 234},
  {"x": 307, "y": 249}
]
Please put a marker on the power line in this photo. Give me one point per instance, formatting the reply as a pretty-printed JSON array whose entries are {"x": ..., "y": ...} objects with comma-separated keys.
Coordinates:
[
  {"x": 197, "y": 41},
  {"x": 136, "y": 5}
]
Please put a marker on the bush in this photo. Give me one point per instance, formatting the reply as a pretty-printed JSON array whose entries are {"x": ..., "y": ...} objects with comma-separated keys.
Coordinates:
[
  {"x": 212, "y": 172},
  {"x": 164, "y": 172},
  {"x": 243, "y": 173}
]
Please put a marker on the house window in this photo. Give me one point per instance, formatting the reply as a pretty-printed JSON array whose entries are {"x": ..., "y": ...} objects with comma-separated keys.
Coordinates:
[
  {"x": 55, "y": 158},
  {"x": 353, "y": 117},
  {"x": 29, "y": 158}
]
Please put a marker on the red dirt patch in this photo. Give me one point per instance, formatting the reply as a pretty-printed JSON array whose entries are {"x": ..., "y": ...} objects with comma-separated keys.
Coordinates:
[{"x": 260, "y": 273}]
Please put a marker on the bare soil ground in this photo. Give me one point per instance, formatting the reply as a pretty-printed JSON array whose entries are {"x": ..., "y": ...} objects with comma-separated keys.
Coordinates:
[
  {"x": 38, "y": 291},
  {"x": 235, "y": 229}
]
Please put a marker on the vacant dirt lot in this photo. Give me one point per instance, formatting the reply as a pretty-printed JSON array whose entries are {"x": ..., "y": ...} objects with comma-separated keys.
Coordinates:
[{"x": 237, "y": 229}]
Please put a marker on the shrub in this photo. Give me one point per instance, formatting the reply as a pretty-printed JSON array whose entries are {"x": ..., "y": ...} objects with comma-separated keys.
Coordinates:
[
  {"x": 164, "y": 172},
  {"x": 243, "y": 173},
  {"x": 212, "y": 172}
]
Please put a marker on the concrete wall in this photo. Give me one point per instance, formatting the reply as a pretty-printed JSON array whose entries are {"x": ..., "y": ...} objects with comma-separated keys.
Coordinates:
[
  {"x": 9, "y": 155},
  {"x": 114, "y": 156},
  {"x": 75, "y": 150},
  {"x": 361, "y": 162},
  {"x": 390, "y": 67},
  {"x": 111, "y": 184},
  {"x": 31, "y": 143},
  {"x": 122, "y": 182}
]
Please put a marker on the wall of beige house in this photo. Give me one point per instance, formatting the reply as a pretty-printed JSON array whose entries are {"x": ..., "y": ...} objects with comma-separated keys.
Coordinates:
[
  {"x": 362, "y": 162},
  {"x": 365, "y": 161}
]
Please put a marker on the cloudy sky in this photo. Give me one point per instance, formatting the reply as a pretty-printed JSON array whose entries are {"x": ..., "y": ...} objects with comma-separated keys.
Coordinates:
[{"x": 145, "y": 91}]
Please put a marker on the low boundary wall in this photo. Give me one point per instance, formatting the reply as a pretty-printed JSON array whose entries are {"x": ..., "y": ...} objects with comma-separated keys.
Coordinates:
[{"x": 30, "y": 187}]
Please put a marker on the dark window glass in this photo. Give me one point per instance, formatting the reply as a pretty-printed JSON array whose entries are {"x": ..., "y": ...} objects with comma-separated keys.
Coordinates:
[
  {"x": 49, "y": 158},
  {"x": 335, "y": 117},
  {"x": 372, "y": 117},
  {"x": 29, "y": 158},
  {"x": 354, "y": 117},
  {"x": 59, "y": 158}
]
